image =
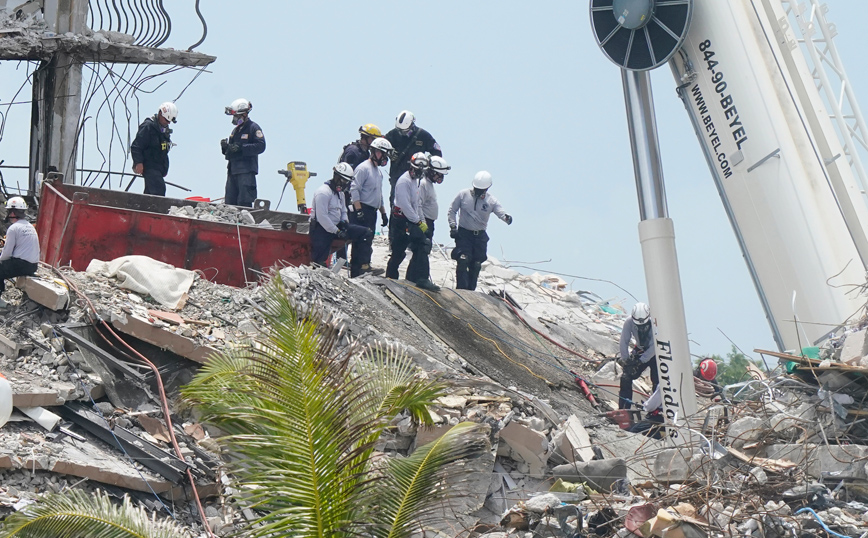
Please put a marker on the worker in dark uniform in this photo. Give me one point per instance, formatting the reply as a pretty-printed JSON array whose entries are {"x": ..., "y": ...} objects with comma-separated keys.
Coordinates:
[
  {"x": 354, "y": 154},
  {"x": 408, "y": 227},
  {"x": 638, "y": 329},
  {"x": 150, "y": 149},
  {"x": 407, "y": 139},
  {"x": 473, "y": 207},
  {"x": 242, "y": 150},
  {"x": 328, "y": 217}
]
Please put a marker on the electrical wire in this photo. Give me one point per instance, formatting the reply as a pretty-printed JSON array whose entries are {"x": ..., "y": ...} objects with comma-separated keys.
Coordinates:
[{"x": 164, "y": 401}]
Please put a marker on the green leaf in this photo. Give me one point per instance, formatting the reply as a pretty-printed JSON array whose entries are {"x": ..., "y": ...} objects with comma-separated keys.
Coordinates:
[{"x": 79, "y": 514}]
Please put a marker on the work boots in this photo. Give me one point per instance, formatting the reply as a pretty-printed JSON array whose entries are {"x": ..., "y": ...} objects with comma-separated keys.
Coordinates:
[
  {"x": 374, "y": 271},
  {"x": 427, "y": 285}
]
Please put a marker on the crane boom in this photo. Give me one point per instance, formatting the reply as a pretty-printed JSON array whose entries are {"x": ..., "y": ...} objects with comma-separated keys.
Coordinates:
[{"x": 793, "y": 202}]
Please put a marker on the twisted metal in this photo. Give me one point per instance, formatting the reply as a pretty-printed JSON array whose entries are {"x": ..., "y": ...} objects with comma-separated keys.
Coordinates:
[{"x": 147, "y": 21}]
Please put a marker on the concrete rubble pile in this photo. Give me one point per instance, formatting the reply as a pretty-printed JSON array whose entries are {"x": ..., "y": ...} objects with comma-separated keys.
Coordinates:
[
  {"x": 218, "y": 213},
  {"x": 558, "y": 465}
]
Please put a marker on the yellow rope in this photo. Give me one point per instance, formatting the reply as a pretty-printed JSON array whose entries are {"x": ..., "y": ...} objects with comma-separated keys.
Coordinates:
[{"x": 510, "y": 359}]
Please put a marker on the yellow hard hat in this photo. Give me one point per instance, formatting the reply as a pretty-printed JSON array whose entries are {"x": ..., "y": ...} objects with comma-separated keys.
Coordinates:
[{"x": 371, "y": 130}]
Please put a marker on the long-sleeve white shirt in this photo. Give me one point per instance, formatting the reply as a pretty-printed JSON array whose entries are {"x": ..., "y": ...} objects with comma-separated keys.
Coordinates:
[
  {"x": 21, "y": 242},
  {"x": 328, "y": 208},
  {"x": 367, "y": 185},
  {"x": 428, "y": 200},
  {"x": 473, "y": 212},
  {"x": 407, "y": 197}
]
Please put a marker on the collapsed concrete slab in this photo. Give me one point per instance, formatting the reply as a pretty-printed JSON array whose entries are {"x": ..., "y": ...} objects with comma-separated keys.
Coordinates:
[{"x": 144, "y": 330}]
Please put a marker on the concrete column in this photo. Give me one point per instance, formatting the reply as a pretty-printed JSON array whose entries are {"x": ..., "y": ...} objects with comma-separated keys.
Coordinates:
[{"x": 57, "y": 97}]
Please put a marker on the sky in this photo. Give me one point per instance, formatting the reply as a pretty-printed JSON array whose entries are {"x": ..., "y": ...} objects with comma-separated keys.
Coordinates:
[{"x": 516, "y": 88}]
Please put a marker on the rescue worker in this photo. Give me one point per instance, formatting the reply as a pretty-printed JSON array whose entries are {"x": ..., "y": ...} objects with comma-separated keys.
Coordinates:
[
  {"x": 437, "y": 169},
  {"x": 638, "y": 329},
  {"x": 20, "y": 254},
  {"x": 354, "y": 154},
  {"x": 150, "y": 148},
  {"x": 328, "y": 217},
  {"x": 367, "y": 195},
  {"x": 408, "y": 227},
  {"x": 242, "y": 150},
  {"x": 707, "y": 371},
  {"x": 473, "y": 207},
  {"x": 408, "y": 139}
]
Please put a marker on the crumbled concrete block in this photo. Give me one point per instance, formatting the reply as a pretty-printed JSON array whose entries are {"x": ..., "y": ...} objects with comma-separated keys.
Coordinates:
[
  {"x": 32, "y": 396},
  {"x": 673, "y": 465},
  {"x": 579, "y": 439},
  {"x": 426, "y": 435},
  {"x": 529, "y": 445},
  {"x": 541, "y": 503},
  {"x": 838, "y": 462},
  {"x": 8, "y": 347},
  {"x": 855, "y": 347},
  {"x": 50, "y": 294},
  {"x": 599, "y": 474},
  {"x": 745, "y": 430}
]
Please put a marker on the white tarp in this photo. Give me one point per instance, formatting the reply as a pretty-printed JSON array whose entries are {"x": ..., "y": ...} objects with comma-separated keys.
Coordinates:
[{"x": 167, "y": 284}]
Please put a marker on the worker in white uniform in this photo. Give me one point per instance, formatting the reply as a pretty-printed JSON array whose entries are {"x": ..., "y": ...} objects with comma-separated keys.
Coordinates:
[
  {"x": 20, "y": 255},
  {"x": 408, "y": 227},
  {"x": 468, "y": 219}
]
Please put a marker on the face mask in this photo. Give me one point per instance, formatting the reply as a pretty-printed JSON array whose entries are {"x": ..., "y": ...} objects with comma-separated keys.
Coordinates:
[
  {"x": 237, "y": 120},
  {"x": 479, "y": 192}
]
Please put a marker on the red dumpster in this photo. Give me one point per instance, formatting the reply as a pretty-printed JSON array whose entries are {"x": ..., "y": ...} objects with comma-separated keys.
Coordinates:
[{"x": 78, "y": 224}]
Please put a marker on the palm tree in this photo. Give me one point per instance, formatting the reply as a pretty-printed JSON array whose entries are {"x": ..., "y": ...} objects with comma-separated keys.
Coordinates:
[{"x": 302, "y": 420}]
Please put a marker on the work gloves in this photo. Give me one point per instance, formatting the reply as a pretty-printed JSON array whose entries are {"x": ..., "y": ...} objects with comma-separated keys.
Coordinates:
[
  {"x": 384, "y": 220},
  {"x": 423, "y": 226},
  {"x": 453, "y": 233},
  {"x": 343, "y": 226},
  {"x": 234, "y": 148},
  {"x": 224, "y": 145},
  {"x": 507, "y": 219},
  {"x": 360, "y": 214}
]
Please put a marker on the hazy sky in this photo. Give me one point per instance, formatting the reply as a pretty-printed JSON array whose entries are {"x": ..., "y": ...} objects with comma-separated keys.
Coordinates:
[{"x": 515, "y": 88}]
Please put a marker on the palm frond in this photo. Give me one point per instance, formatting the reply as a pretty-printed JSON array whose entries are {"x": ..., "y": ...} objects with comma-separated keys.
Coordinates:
[
  {"x": 416, "y": 486},
  {"x": 395, "y": 384},
  {"x": 77, "y": 513}
]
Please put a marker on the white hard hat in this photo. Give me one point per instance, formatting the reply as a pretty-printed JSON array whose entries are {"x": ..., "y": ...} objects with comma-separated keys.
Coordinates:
[
  {"x": 169, "y": 111},
  {"x": 482, "y": 180},
  {"x": 404, "y": 120},
  {"x": 238, "y": 106},
  {"x": 344, "y": 170},
  {"x": 419, "y": 160},
  {"x": 439, "y": 165},
  {"x": 641, "y": 314},
  {"x": 381, "y": 144},
  {"x": 16, "y": 202}
]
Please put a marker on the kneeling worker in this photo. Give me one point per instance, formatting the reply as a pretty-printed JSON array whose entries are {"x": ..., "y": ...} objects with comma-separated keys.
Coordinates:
[
  {"x": 473, "y": 207},
  {"x": 20, "y": 255},
  {"x": 328, "y": 218},
  {"x": 637, "y": 327}
]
